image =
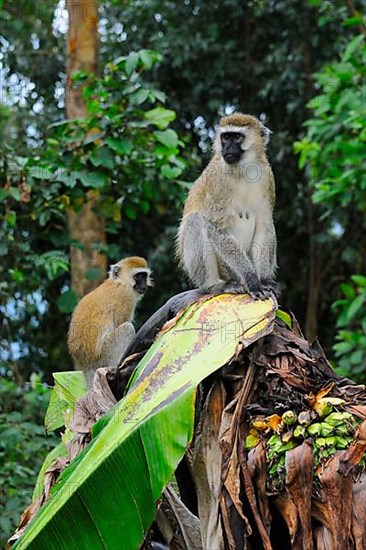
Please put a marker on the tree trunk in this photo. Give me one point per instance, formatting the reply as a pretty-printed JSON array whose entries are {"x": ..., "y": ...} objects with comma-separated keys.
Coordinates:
[{"x": 84, "y": 226}]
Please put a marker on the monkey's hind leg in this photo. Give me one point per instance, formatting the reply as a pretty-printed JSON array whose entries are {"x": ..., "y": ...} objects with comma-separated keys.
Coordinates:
[
  {"x": 235, "y": 261},
  {"x": 199, "y": 258},
  {"x": 115, "y": 343}
]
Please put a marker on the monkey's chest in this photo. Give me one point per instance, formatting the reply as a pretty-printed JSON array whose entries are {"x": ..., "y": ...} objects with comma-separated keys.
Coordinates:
[{"x": 242, "y": 225}]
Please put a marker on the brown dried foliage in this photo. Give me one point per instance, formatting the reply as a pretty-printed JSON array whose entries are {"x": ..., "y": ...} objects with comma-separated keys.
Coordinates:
[{"x": 318, "y": 509}]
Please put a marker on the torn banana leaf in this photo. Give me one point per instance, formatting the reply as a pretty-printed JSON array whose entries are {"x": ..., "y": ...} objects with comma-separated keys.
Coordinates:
[
  {"x": 69, "y": 387},
  {"x": 107, "y": 497}
]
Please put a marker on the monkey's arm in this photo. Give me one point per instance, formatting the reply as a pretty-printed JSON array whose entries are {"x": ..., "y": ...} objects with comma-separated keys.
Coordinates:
[
  {"x": 110, "y": 347},
  {"x": 114, "y": 343},
  {"x": 265, "y": 240},
  {"x": 196, "y": 253}
]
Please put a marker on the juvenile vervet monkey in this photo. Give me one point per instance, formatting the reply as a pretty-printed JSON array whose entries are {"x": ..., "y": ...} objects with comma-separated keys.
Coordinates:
[
  {"x": 226, "y": 239},
  {"x": 100, "y": 328}
]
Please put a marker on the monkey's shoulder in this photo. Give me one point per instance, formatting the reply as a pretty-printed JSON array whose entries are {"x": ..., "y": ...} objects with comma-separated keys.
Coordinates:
[{"x": 207, "y": 193}]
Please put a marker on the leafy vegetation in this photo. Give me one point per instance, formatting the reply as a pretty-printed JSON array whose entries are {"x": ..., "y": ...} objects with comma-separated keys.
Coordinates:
[
  {"x": 123, "y": 150},
  {"x": 23, "y": 447},
  {"x": 313, "y": 451},
  {"x": 333, "y": 148},
  {"x": 350, "y": 349},
  {"x": 333, "y": 153}
]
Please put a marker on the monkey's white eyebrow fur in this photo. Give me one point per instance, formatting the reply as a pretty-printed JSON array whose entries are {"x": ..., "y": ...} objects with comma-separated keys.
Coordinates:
[
  {"x": 146, "y": 270},
  {"x": 231, "y": 128},
  {"x": 141, "y": 270}
]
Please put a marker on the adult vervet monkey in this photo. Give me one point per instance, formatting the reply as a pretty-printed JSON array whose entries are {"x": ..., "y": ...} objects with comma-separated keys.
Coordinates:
[{"x": 226, "y": 239}]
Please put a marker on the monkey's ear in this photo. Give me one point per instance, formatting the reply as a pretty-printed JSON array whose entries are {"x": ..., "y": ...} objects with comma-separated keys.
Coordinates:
[
  {"x": 265, "y": 133},
  {"x": 114, "y": 271}
]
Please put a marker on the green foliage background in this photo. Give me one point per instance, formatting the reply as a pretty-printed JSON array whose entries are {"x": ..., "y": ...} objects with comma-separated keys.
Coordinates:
[
  {"x": 333, "y": 153},
  {"x": 23, "y": 446},
  {"x": 170, "y": 69}
]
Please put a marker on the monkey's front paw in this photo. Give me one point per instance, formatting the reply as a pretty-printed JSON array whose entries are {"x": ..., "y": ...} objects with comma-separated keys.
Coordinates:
[
  {"x": 256, "y": 289},
  {"x": 272, "y": 286},
  {"x": 261, "y": 294}
]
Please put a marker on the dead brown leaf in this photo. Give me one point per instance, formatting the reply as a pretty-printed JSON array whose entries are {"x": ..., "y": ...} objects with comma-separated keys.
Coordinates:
[
  {"x": 355, "y": 452},
  {"x": 299, "y": 483},
  {"x": 334, "y": 508}
]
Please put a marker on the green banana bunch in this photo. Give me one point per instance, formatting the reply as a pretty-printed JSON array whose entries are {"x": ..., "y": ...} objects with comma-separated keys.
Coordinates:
[{"x": 289, "y": 418}]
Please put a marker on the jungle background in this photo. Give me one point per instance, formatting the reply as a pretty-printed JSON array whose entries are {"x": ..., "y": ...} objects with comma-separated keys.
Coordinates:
[{"x": 100, "y": 143}]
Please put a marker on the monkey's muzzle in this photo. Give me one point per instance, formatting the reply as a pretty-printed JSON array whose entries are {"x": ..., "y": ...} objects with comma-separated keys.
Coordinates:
[
  {"x": 140, "y": 287},
  {"x": 231, "y": 159}
]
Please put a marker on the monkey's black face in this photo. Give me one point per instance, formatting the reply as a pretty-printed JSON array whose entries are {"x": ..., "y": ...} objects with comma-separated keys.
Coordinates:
[
  {"x": 231, "y": 146},
  {"x": 141, "y": 282}
]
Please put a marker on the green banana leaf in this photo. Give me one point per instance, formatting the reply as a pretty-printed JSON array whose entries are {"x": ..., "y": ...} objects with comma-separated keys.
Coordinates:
[
  {"x": 69, "y": 387},
  {"x": 285, "y": 317},
  {"x": 108, "y": 495}
]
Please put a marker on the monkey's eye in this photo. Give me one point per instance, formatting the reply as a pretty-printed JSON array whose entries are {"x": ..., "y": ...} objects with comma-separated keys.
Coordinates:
[
  {"x": 140, "y": 277},
  {"x": 236, "y": 137}
]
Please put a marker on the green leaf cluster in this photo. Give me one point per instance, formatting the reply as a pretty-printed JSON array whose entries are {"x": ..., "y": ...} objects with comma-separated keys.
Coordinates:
[
  {"x": 136, "y": 446},
  {"x": 123, "y": 150},
  {"x": 350, "y": 346},
  {"x": 23, "y": 446},
  {"x": 334, "y": 145},
  {"x": 332, "y": 152}
]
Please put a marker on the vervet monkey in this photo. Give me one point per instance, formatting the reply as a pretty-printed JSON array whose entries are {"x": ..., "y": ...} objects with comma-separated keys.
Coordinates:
[
  {"x": 226, "y": 239},
  {"x": 100, "y": 328}
]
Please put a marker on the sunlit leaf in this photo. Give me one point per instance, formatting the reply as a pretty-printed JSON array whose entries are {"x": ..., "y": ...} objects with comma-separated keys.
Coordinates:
[
  {"x": 169, "y": 138},
  {"x": 120, "y": 146},
  {"x": 160, "y": 117},
  {"x": 102, "y": 157},
  {"x": 131, "y": 62},
  {"x": 170, "y": 172},
  {"x": 93, "y": 179},
  {"x": 69, "y": 387},
  {"x": 40, "y": 172}
]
